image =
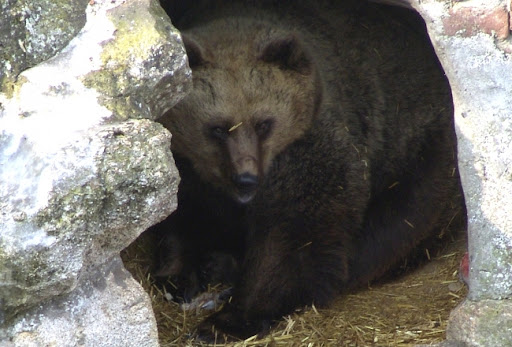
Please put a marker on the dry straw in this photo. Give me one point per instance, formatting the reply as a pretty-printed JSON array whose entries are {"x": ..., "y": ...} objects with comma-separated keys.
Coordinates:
[{"x": 408, "y": 309}]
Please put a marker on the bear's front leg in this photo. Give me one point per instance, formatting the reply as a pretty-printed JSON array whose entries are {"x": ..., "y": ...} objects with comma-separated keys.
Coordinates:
[
  {"x": 284, "y": 269},
  {"x": 189, "y": 260},
  {"x": 231, "y": 324}
]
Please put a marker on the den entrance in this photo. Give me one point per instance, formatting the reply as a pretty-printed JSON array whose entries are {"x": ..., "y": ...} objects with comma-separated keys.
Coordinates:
[{"x": 409, "y": 306}]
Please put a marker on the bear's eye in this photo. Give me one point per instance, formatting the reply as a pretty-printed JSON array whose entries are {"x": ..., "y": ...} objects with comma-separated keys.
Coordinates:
[
  {"x": 263, "y": 128},
  {"x": 219, "y": 133}
]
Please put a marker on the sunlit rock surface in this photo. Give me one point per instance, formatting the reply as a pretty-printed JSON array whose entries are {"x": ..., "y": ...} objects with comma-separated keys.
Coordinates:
[{"x": 83, "y": 171}]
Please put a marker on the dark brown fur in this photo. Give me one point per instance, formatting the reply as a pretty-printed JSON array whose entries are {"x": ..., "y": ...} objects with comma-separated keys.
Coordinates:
[{"x": 342, "y": 159}]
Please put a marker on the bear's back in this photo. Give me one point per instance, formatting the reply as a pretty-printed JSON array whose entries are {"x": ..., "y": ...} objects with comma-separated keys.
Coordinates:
[{"x": 383, "y": 91}]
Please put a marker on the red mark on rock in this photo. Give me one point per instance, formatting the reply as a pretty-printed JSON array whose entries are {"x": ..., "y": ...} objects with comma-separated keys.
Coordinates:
[{"x": 464, "y": 268}]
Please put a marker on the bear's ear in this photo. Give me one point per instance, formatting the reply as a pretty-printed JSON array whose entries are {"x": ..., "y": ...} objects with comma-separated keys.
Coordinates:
[
  {"x": 286, "y": 51},
  {"x": 194, "y": 50}
]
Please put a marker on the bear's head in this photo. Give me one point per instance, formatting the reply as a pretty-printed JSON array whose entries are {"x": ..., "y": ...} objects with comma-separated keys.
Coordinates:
[{"x": 255, "y": 91}]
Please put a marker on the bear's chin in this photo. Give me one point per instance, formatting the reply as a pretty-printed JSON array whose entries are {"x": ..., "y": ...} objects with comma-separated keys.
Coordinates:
[{"x": 244, "y": 197}]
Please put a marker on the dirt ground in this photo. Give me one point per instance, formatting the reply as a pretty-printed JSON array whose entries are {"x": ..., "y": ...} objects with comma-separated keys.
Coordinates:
[{"x": 403, "y": 310}]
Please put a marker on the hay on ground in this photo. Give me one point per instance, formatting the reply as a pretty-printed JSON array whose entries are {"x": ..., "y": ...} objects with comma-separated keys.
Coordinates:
[{"x": 410, "y": 309}]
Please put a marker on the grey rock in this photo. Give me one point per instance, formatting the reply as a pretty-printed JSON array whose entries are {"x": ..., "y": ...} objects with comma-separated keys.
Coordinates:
[
  {"x": 478, "y": 67},
  {"x": 103, "y": 190},
  {"x": 83, "y": 173},
  {"x": 79, "y": 318},
  {"x": 32, "y": 31},
  {"x": 135, "y": 81},
  {"x": 482, "y": 323},
  {"x": 479, "y": 74}
]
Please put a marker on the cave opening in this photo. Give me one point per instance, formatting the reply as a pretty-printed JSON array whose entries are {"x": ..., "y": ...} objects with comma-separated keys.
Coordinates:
[{"x": 410, "y": 304}]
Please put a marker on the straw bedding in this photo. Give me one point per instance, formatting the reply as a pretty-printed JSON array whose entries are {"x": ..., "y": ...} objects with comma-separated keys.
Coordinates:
[{"x": 401, "y": 310}]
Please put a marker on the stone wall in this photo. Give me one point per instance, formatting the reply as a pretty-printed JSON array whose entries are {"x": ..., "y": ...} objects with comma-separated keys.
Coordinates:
[
  {"x": 472, "y": 41},
  {"x": 83, "y": 168}
]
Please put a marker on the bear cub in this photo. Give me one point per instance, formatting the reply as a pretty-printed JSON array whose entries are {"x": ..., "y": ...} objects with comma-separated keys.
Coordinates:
[{"x": 316, "y": 150}]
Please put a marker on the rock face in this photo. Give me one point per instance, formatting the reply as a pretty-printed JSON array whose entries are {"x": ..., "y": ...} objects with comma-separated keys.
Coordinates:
[
  {"x": 472, "y": 41},
  {"x": 83, "y": 169},
  {"x": 482, "y": 323},
  {"x": 32, "y": 31},
  {"x": 107, "y": 309}
]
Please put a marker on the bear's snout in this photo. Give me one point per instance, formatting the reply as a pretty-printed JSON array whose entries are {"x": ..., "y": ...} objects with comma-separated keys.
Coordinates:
[{"x": 246, "y": 184}]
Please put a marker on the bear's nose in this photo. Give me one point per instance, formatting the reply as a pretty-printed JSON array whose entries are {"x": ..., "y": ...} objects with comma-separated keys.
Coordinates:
[{"x": 246, "y": 182}]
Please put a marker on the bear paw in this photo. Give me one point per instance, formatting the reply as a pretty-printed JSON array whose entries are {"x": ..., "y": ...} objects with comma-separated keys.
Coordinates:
[{"x": 229, "y": 325}]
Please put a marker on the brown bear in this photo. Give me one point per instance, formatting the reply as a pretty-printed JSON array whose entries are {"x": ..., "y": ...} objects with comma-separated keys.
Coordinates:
[{"x": 316, "y": 150}]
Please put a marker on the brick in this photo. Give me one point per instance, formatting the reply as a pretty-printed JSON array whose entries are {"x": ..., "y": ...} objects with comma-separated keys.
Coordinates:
[{"x": 468, "y": 21}]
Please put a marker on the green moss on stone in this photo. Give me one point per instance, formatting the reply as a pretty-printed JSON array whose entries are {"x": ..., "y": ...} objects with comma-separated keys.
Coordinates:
[
  {"x": 138, "y": 34},
  {"x": 65, "y": 212},
  {"x": 12, "y": 88},
  {"x": 32, "y": 31},
  {"x": 135, "y": 36}
]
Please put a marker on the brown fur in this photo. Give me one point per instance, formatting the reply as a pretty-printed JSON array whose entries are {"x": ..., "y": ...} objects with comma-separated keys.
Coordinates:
[
  {"x": 316, "y": 149},
  {"x": 240, "y": 88}
]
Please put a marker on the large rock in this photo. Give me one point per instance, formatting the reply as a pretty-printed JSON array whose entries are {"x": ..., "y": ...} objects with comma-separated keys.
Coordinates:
[
  {"x": 90, "y": 317},
  {"x": 472, "y": 41},
  {"x": 83, "y": 172},
  {"x": 32, "y": 31},
  {"x": 482, "y": 323}
]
